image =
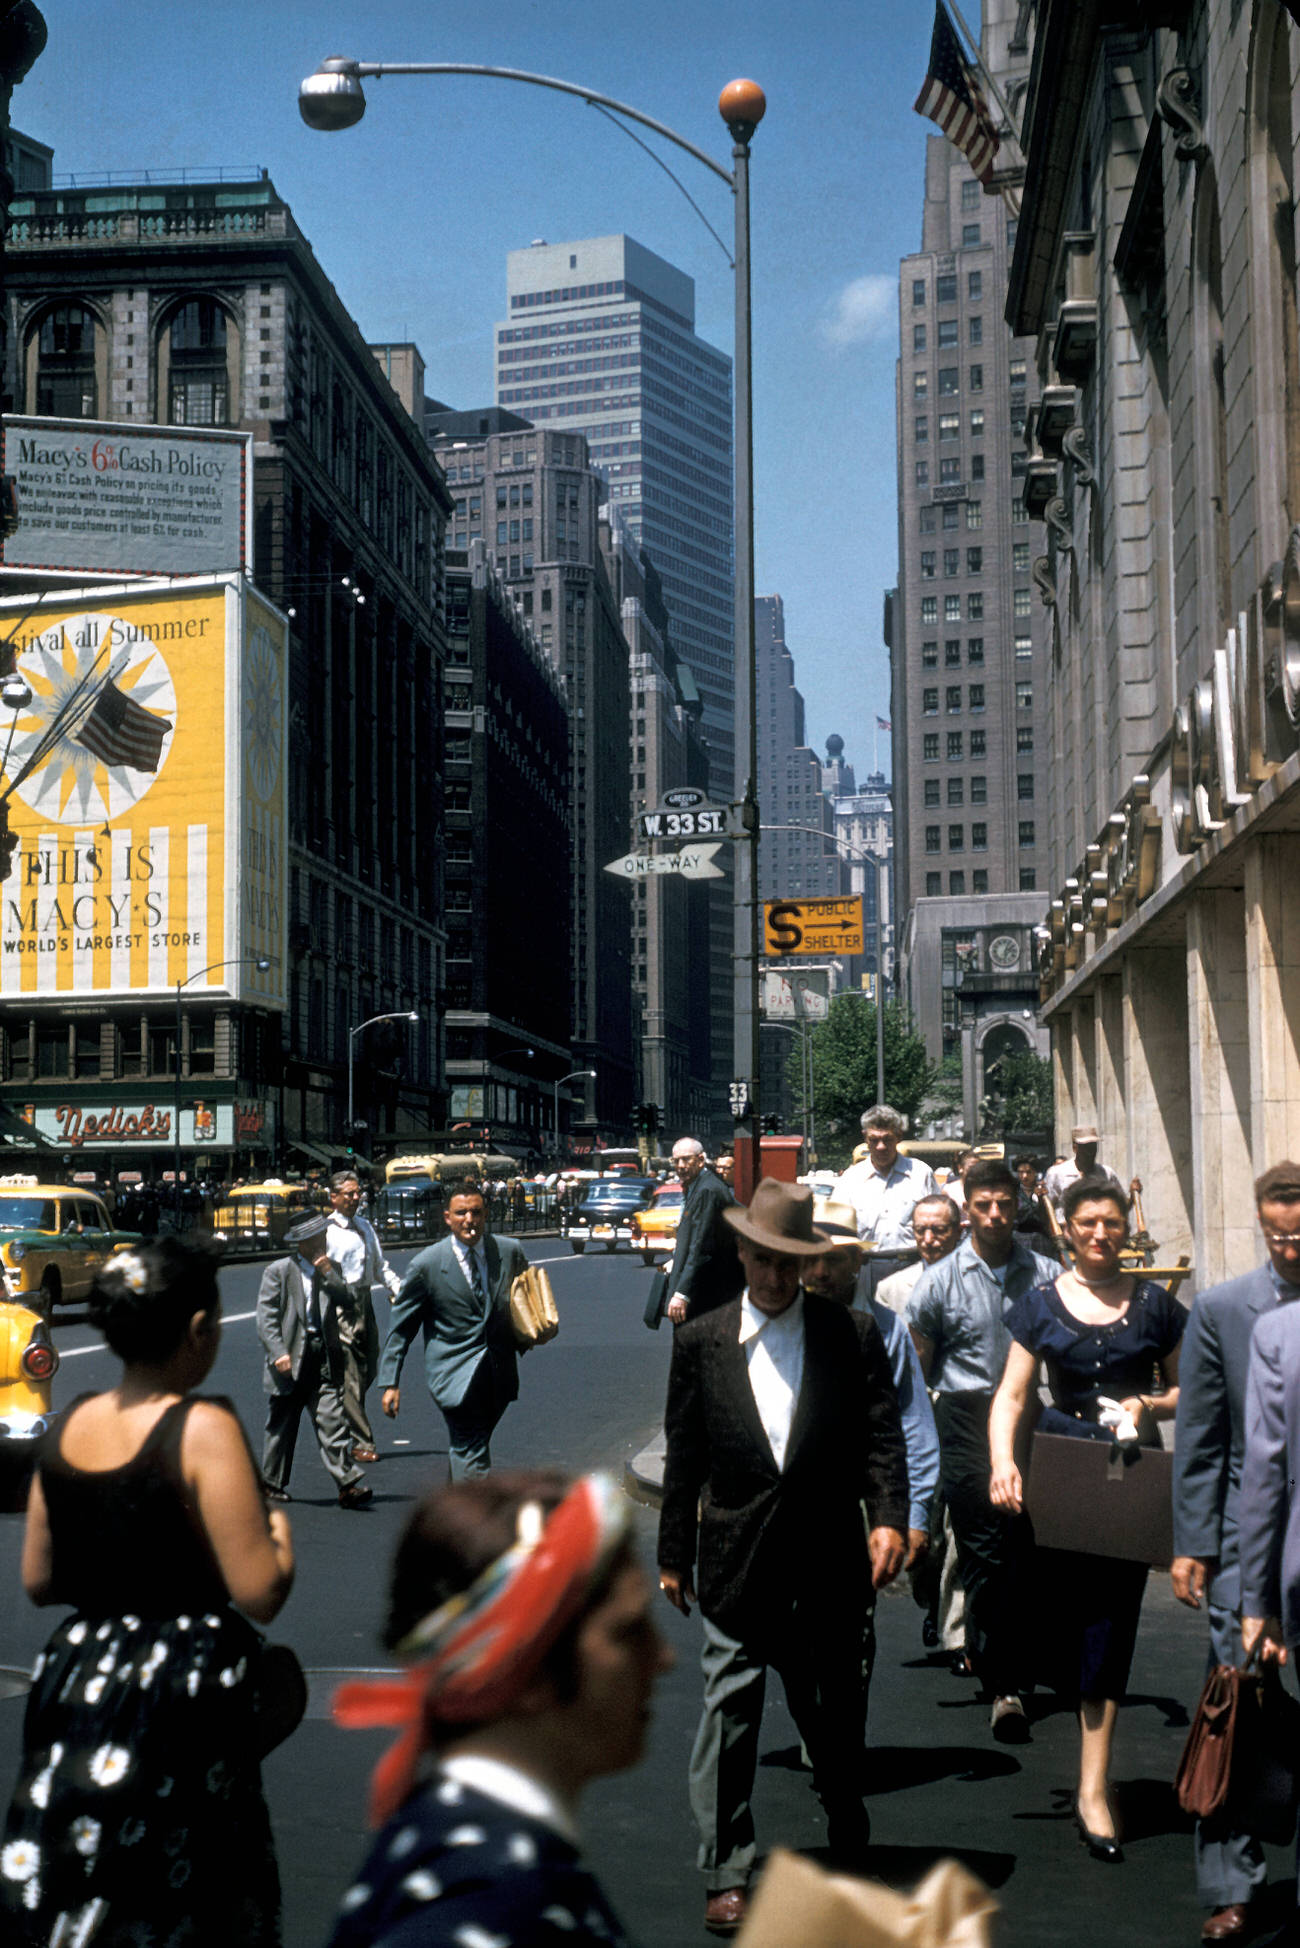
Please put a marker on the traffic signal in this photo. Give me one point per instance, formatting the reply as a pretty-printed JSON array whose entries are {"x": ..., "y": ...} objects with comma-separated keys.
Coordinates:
[{"x": 772, "y": 1123}]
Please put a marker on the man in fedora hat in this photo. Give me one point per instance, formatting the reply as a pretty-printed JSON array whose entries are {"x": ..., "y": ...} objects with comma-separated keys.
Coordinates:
[
  {"x": 781, "y": 1423},
  {"x": 298, "y": 1306},
  {"x": 1083, "y": 1163}
]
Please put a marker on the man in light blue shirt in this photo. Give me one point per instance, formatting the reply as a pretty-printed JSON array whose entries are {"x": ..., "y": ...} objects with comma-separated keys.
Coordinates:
[{"x": 957, "y": 1314}]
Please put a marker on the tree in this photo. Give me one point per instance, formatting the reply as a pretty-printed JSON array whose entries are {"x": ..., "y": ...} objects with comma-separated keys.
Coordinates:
[
  {"x": 1020, "y": 1097},
  {"x": 843, "y": 1049}
]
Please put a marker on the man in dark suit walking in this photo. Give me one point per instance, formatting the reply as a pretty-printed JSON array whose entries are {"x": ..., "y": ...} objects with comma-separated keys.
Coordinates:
[
  {"x": 1208, "y": 1459},
  {"x": 298, "y": 1307},
  {"x": 781, "y": 1422},
  {"x": 705, "y": 1271},
  {"x": 458, "y": 1294}
]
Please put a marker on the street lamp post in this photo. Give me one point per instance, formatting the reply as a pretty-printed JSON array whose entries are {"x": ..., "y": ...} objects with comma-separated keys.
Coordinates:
[
  {"x": 333, "y": 99},
  {"x": 573, "y": 1073},
  {"x": 261, "y": 962},
  {"x": 403, "y": 1014}
]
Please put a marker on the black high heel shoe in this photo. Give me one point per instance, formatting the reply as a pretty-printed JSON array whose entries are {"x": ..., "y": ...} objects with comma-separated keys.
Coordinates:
[{"x": 1101, "y": 1846}]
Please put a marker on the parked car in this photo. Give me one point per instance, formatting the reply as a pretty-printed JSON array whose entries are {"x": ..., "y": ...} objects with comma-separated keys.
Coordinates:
[
  {"x": 604, "y": 1213},
  {"x": 409, "y": 1210},
  {"x": 53, "y": 1239},
  {"x": 28, "y": 1363},
  {"x": 655, "y": 1228}
]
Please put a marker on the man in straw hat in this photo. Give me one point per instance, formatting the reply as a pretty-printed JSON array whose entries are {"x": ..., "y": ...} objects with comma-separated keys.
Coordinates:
[
  {"x": 1082, "y": 1163},
  {"x": 781, "y": 1423}
]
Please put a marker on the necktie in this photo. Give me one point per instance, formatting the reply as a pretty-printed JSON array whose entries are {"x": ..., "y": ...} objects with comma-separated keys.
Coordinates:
[{"x": 476, "y": 1279}]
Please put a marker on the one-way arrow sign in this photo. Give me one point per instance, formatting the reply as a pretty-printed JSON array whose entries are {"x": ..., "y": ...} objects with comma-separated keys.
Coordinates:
[{"x": 692, "y": 862}]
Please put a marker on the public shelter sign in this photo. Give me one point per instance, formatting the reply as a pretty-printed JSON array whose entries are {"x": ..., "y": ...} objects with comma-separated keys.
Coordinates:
[
  {"x": 96, "y": 497},
  {"x": 146, "y": 789}
]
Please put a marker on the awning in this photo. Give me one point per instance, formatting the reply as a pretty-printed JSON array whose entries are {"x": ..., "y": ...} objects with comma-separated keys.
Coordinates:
[
  {"x": 18, "y": 1134},
  {"x": 312, "y": 1150}
]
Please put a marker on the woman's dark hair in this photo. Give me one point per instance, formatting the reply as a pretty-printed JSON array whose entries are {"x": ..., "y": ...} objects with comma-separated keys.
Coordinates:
[
  {"x": 142, "y": 1300},
  {"x": 1089, "y": 1190}
]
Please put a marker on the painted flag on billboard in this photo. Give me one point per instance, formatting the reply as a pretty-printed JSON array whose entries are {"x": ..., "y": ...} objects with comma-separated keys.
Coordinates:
[
  {"x": 119, "y": 732},
  {"x": 951, "y": 96}
]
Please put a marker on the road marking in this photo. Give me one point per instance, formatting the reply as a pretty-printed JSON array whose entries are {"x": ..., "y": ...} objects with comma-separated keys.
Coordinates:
[{"x": 227, "y": 1319}]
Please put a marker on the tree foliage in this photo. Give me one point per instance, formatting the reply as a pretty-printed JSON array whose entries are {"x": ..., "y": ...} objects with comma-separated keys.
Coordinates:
[
  {"x": 843, "y": 1051},
  {"x": 1019, "y": 1095}
]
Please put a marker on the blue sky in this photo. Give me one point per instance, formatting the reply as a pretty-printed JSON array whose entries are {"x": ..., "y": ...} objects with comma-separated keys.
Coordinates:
[{"x": 412, "y": 214}]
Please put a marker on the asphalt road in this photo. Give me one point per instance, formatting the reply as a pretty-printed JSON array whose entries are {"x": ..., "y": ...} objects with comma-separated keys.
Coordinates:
[{"x": 939, "y": 1784}]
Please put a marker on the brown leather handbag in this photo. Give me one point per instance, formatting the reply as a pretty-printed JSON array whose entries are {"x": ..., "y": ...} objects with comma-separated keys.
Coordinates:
[
  {"x": 1205, "y": 1769},
  {"x": 1239, "y": 1762}
]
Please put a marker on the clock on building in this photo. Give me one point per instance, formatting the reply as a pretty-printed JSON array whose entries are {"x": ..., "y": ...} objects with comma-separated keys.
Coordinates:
[{"x": 1004, "y": 952}]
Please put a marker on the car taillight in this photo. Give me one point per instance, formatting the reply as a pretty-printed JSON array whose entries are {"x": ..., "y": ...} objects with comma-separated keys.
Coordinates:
[{"x": 40, "y": 1361}]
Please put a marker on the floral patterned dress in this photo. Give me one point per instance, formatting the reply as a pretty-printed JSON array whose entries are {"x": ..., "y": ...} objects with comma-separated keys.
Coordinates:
[{"x": 138, "y": 1817}]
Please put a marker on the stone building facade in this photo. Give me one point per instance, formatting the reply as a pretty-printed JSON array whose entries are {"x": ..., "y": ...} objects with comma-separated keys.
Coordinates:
[
  {"x": 203, "y": 305},
  {"x": 1155, "y": 268}
]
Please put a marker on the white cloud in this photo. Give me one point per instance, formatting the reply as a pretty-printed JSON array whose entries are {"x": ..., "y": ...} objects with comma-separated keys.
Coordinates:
[{"x": 865, "y": 310}]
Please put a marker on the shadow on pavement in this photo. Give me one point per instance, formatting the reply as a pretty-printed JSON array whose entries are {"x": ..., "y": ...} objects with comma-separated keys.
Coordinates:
[{"x": 903, "y": 1867}]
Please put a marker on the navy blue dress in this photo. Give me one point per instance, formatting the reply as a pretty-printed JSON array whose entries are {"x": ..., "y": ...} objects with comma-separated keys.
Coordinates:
[
  {"x": 455, "y": 1868},
  {"x": 1090, "y": 1604}
]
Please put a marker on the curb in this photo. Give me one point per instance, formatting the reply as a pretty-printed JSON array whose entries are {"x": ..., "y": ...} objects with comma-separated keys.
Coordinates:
[{"x": 643, "y": 1474}]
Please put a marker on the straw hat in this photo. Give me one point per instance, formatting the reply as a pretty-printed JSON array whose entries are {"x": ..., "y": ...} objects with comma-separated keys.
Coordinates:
[
  {"x": 838, "y": 1220},
  {"x": 780, "y": 1218}
]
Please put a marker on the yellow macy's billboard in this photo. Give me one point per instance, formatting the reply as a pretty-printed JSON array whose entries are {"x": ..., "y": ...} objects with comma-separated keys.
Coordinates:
[{"x": 148, "y": 793}]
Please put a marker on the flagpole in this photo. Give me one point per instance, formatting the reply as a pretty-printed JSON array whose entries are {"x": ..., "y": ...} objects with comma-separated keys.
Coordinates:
[{"x": 994, "y": 90}]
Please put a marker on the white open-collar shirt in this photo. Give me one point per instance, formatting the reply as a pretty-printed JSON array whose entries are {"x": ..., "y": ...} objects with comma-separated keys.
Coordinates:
[{"x": 774, "y": 1347}]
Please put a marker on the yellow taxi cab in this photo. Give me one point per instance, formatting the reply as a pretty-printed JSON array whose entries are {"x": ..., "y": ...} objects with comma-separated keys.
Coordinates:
[
  {"x": 53, "y": 1239},
  {"x": 28, "y": 1363},
  {"x": 655, "y": 1229},
  {"x": 255, "y": 1217}
]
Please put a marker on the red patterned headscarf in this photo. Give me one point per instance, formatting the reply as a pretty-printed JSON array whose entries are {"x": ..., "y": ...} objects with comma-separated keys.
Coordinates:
[{"x": 479, "y": 1650}]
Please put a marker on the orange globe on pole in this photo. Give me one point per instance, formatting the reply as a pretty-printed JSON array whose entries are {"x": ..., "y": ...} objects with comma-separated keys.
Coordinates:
[{"x": 742, "y": 106}]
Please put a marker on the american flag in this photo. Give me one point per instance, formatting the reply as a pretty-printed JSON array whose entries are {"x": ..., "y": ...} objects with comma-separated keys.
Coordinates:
[
  {"x": 950, "y": 96},
  {"x": 119, "y": 732},
  {"x": 883, "y": 723}
]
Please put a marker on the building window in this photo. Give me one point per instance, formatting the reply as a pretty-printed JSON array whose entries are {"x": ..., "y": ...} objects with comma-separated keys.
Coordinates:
[
  {"x": 1024, "y": 696},
  {"x": 927, "y": 520},
  {"x": 974, "y": 286},
  {"x": 1024, "y": 784},
  {"x": 930, "y": 703},
  {"x": 1019, "y": 512},
  {"x": 979, "y": 880},
  {"x": 501, "y": 534},
  {"x": 923, "y": 473},
  {"x": 977, "y": 696},
  {"x": 920, "y": 384},
  {"x": 1028, "y": 880},
  {"x": 1024, "y": 645},
  {"x": 970, "y": 235},
  {"x": 65, "y": 369},
  {"x": 932, "y": 844},
  {"x": 932, "y": 792},
  {"x": 198, "y": 386},
  {"x": 918, "y": 338},
  {"x": 975, "y": 332},
  {"x": 974, "y": 561},
  {"x": 952, "y": 699},
  {"x": 930, "y": 747},
  {"x": 970, "y": 196},
  {"x": 954, "y": 746},
  {"x": 979, "y": 788},
  {"x": 977, "y": 424},
  {"x": 975, "y": 649},
  {"x": 951, "y": 650},
  {"x": 956, "y": 885},
  {"x": 929, "y": 608},
  {"x": 930, "y": 654},
  {"x": 950, "y": 514},
  {"x": 1020, "y": 557},
  {"x": 950, "y": 472},
  {"x": 952, "y": 608},
  {"x": 956, "y": 791},
  {"x": 956, "y": 838},
  {"x": 975, "y": 378},
  {"x": 977, "y": 743},
  {"x": 974, "y": 514},
  {"x": 921, "y": 428},
  {"x": 1025, "y": 832},
  {"x": 1025, "y": 738},
  {"x": 927, "y": 564},
  {"x": 918, "y": 290},
  {"x": 977, "y": 466},
  {"x": 1012, "y": 230},
  {"x": 949, "y": 379},
  {"x": 975, "y": 606},
  {"x": 979, "y": 838},
  {"x": 951, "y": 557},
  {"x": 1017, "y": 371},
  {"x": 933, "y": 885},
  {"x": 950, "y": 426},
  {"x": 945, "y": 288}
]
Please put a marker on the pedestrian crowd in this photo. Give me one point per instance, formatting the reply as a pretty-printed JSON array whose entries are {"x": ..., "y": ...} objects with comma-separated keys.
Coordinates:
[{"x": 857, "y": 1385}]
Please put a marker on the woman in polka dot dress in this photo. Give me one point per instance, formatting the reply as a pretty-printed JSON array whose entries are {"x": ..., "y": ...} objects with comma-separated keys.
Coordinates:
[
  {"x": 534, "y": 1656},
  {"x": 138, "y": 1816}
]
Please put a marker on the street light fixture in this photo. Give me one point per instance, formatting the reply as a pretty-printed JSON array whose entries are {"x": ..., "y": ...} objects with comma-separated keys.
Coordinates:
[
  {"x": 333, "y": 99},
  {"x": 259, "y": 961},
  {"x": 402, "y": 1014},
  {"x": 573, "y": 1073}
]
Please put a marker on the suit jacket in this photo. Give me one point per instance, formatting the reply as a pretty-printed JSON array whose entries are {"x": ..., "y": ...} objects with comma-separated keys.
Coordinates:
[
  {"x": 1268, "y": 1511},
  {"x": 705, "y": 1265},
  {"x": 282, "y": 1320},
  {"x": 765, "y": 1535},
  {"x": 1211, "y": 1424},
  {"x": 436, "y": 1299}
]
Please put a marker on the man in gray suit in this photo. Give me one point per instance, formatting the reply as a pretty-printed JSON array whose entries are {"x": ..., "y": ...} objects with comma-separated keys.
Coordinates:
[
  {"x": 458, "y": 1293},
  {"x": 1208, "y": 1459},
  {"x": 298, "y": 1324}
]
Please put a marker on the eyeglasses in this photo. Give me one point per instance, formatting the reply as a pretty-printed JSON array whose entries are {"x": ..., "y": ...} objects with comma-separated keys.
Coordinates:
[{"x": 1283, "y": 1240}]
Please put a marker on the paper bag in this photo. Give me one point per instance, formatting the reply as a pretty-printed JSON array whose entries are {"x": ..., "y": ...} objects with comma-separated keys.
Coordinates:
[{"x": 798, "y": 1901}]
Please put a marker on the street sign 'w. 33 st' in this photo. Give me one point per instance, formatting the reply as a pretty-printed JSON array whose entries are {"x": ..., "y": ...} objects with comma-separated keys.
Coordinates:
[{"x": 813, "y": 926}]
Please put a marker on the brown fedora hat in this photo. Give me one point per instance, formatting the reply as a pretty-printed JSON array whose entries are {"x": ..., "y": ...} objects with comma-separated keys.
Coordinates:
[{"x": 780, "y": 1218}]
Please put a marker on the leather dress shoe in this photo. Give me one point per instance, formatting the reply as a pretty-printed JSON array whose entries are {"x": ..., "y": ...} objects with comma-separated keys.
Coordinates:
[
  {"x": 364, "y": 1454},
  {"x": 724, "y": 1912},
  {"x": 1102, "y": 1846},
  {"x": 1008, "y": 1722},
  {"x": 276, "y": 1494},
  {"x": 355, "y": 1495},
  {"x": 1231, "y": 1923}
]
